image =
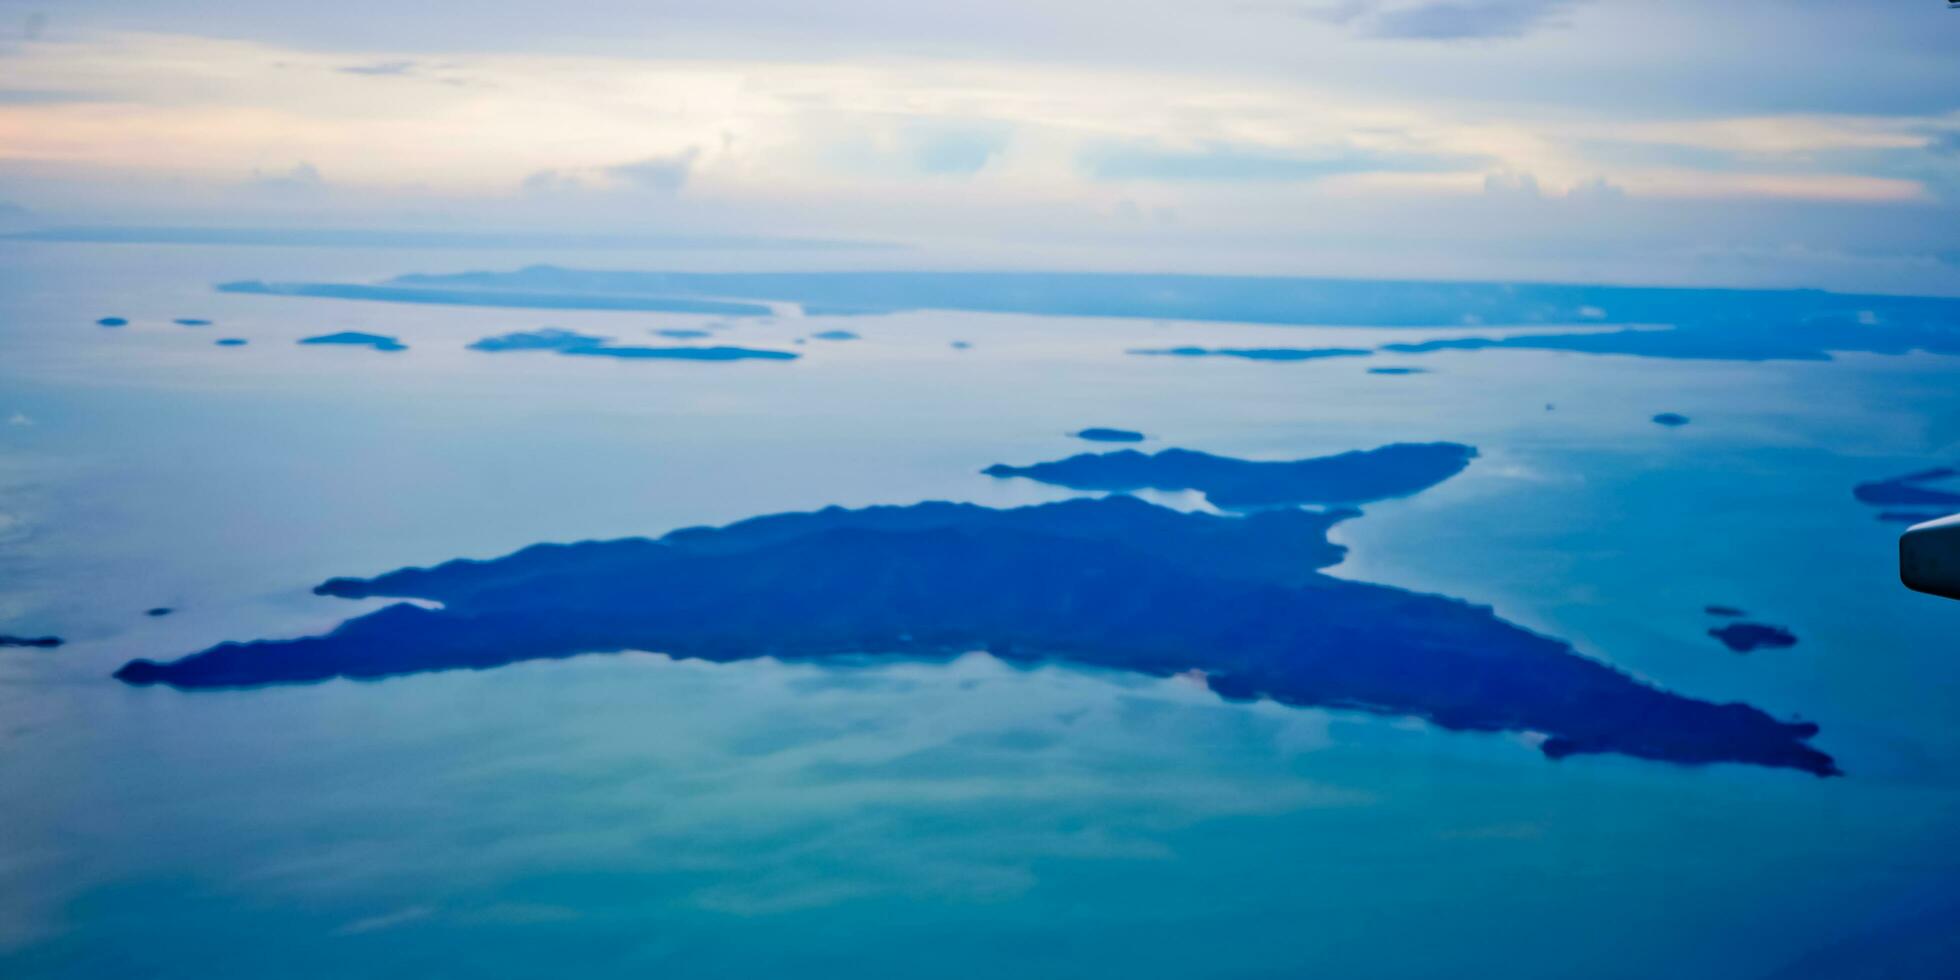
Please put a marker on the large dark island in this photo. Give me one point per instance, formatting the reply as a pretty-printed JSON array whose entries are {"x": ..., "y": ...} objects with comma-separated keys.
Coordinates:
[{"x": 1112, "y": 583}]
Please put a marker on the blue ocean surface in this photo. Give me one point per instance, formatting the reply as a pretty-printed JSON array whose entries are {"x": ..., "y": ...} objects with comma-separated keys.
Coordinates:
[{"x": 630, "y": 814}]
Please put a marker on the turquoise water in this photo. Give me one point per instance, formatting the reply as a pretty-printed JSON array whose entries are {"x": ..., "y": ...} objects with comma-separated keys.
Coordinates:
[{"x": 627, "y": 815}]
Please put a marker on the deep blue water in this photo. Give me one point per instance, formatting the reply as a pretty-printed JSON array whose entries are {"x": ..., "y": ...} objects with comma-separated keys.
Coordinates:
[{"x": 623, "y": 815}]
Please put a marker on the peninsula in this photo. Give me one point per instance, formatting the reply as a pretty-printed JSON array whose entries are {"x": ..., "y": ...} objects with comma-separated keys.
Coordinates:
[{"x": 1396, "y": 470}]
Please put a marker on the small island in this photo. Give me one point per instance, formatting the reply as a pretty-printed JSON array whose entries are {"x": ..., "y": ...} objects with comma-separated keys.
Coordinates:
[
  {"x": 575, "y": 344},
  {"x": 1910, "y": 490},
  {"x": 1255, "y": 353},
  {"x": 230, "y": 342},
  {"x": 41, "y": 642},
  {"x": 1672, "y": 420},
  {"x": 158, "y": 611},
  {"x": 354, "y": 338},
  {"x": 112, "y": 321},
  {"x": 1744, "y": 637},
  {"x": 191, "y": 321},
  {"x": 1099, "y": 434},
  {"x": 681, "y": 333},
  {"x": 834, "y": 335},
  {"x": 544, "y": 338},
  {"x": 1398, "y": 370},
  {"x": 1348, "y": 478},
  {"x": 683, "y": 353},
  {"x": 1726, "y": 612}
]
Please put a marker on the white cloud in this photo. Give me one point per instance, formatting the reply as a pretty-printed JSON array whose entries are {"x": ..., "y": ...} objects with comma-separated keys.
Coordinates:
[
  {"x": 1432, "y": 20},
  {"x": 300, "y": 178},
  {"x": 182, "y": 108},
  {"x": 1595, "y": 189},
  {"x": 550, "y": 181},
  {"x": 666, "y": 174},
  {"x": 1514, "y": 186},
  {"x": 969, "y": 148},
  {"x": 401, "y": 66},
  {"x": 1454, "y": 20}
]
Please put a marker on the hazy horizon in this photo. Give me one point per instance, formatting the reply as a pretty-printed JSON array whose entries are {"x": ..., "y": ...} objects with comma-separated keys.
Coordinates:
[{"x": 1794, "y": 144}]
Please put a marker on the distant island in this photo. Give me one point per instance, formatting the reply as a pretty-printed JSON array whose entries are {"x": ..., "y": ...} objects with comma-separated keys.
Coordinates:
[
  {"x": 1726, "y": 612},
  {"x": 681, "y": 333},
  {"x": 1744, "y": 637},
  {"x": 1398, "y": 370},
  {"x": 546, "y": 338},
  {"x": 230, "y": 342},
  {"x": 1833, "y": 324},
  {"x": 1111, "y": 582},
  {"x": 1255, "y": 353},
  {"x": 576, "y": 344},
  {"x": 683, "y": 353},
  {"x": 1697, "y": 324},
  {"x": 1908, "y": 499},
  {"x": 43, "y": 642},
  {"x": 112, "y": 321},
  {"x": 354, "y": 338},
  {"x": 1671, "y": 419},
  {"x": 158, "y": 611},
  {"x": 1098, "y": 434},
  {"x": 515, "y": 298},
  {"x": 191, "y": 321},
  {"x": 834, "y": 335},
  {"x": 1354, "y": 477},
  {"x": 1909, "y": 490}
]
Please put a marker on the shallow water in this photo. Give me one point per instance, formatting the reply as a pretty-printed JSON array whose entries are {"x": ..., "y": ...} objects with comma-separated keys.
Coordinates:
[{"x": 617, "y": 815}]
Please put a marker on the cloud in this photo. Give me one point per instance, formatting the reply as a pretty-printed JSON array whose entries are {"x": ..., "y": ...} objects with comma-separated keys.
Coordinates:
[
  {"x": 20, "y": 96},
  {"x": 1447, "y": 20},
  {"x": 925, "y": 145},
  {"x": 1596, "y": 190},
  {"x": 666, "y": 174},
  {"x": 1345, "y": 12},
  {"x": 1353, "y": 139},
  {"x": 1510, "y": 185},
  {"x": 302, "y": 178},
  {"x": 19, "y": 420},
  {"x": 380, "y": 68},
  {"x": 1514, "y": 186},
  {"x": 1440, "y": 20},
  {"x": 1687, "y": 156},
  {"x": 1222, "y": 162},
  {"x": 956, "y": 150},
  {"x": 550, "y": 182}
]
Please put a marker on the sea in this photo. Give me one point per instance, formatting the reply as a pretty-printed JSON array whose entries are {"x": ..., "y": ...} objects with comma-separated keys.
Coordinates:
[{"x": 630, "y": 815}]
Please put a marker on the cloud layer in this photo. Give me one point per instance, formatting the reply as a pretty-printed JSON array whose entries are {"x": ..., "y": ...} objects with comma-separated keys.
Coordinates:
[{"x": 1266, "y": 127}]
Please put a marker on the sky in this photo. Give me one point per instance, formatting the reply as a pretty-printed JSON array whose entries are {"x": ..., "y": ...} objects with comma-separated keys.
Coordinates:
[{"x": 1799, "y": 143}]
